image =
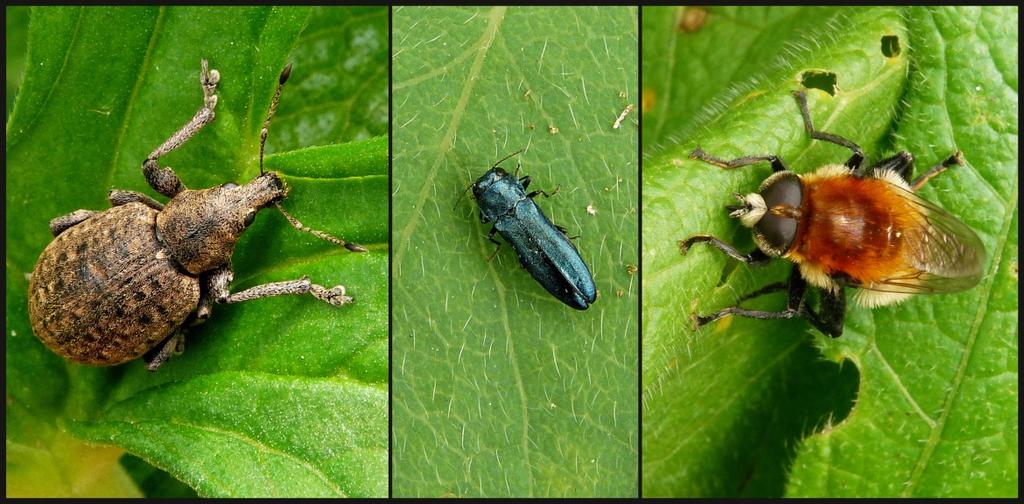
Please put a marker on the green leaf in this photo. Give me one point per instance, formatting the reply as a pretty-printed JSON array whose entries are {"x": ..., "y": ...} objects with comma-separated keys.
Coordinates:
[
  {"x": 16, "y": 28},
  {"x": 934, "y": 380},
  {"x": 277, "y": 397},
  {"x": 499, "y": 388},
  {"x": 687, "y": 66}
]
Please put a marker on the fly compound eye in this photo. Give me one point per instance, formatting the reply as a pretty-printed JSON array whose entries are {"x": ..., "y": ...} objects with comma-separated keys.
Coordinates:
[
  {"x": 250, "y": 217},
  {"x": 783, "y": 196},
  {"x": 777, "y": 233}
]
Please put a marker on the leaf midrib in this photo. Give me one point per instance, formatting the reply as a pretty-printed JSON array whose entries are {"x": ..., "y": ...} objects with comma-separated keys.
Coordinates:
[{"x": 158, "y": 28}]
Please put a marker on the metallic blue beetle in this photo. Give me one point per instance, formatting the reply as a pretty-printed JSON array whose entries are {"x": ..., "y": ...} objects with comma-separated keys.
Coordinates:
[{"x": 543, "y": 248}]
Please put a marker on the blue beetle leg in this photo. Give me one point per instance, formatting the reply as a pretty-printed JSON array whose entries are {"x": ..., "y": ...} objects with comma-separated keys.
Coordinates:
[
  {"x": 490, "y": 236},
  {"x": 565, "y": 232},
  {"x": 525, "y": 181},
  {"x": 755, "y": 258},
  {"x": 546, "y": 194}
]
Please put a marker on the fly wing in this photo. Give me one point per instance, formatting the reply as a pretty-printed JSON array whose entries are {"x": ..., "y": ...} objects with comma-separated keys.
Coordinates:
[{"x": 941, "y": 253}]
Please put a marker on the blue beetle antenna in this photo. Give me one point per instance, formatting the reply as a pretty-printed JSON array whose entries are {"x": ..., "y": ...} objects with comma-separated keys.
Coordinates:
[
  {"x": 502, "y": 160},
  {"x": 463, "y": 195}
]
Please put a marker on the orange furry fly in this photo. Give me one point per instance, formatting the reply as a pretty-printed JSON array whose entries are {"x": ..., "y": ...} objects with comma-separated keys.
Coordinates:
[{"x": 848, "y": 225}]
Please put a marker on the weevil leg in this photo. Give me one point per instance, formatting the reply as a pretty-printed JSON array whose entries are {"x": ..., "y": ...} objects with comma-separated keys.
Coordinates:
[
  {"x": 213, "y": 284},
  {"x": 956, "y": 159},
  {"x": 902, "y": 164},
  {"x": 755, "y": 258},
  {"x": 777, "y": 163},
  {"x": 164, "y": 180},
  {"x": 334, "y": 296},
  {"x": 525, "y": 181},
  {"x": 855, "y": 161},
  {"x": 156, "y": 357},
  {"x": 65, "y": 222},
  {"x": 119, "y": 197},
  {"x": 546, "y": 194}
]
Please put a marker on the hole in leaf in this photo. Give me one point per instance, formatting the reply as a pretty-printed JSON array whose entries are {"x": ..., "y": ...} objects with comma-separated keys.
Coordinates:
[
  {"x": 890, "y": 46},
  {"x": 817, "y": 79}
]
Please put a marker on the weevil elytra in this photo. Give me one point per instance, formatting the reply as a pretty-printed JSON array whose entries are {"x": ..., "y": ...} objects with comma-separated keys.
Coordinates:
[
  {"x": 118, "y": 284},
  {"x": 543, "y": 248}
]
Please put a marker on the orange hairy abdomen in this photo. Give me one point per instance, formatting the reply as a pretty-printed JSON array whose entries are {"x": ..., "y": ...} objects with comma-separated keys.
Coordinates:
[{"x": 853, "y": 226}]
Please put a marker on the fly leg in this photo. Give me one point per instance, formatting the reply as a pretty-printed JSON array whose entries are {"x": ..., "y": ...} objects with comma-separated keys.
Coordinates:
[
  {"x": 755, "y": 258},
  {"x": 855, "y": 161},
  {"x": 777, "y": 163},
  {"x": 829, "y": 321},
  {"x": 164, "y": 180},
  {"x": 956, "y": 159},
  {"x": 902, "y": 164}
]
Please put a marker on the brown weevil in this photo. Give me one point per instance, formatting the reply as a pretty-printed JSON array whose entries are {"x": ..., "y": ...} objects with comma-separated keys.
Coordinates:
[{"x": 122, "y": 283}]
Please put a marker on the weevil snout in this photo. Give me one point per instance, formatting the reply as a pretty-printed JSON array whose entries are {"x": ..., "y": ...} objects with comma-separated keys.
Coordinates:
[{"x": 270, "y": 185}]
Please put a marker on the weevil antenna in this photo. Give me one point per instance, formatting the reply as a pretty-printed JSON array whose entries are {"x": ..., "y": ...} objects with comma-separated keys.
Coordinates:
[
  {"x": 319, "y": 234},
  {"x": 270, "y": 114}
]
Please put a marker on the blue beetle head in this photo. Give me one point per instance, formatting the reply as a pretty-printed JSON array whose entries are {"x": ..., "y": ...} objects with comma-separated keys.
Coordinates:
[{"x": 487, "y": 180}]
